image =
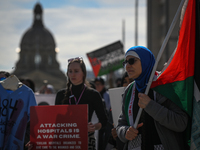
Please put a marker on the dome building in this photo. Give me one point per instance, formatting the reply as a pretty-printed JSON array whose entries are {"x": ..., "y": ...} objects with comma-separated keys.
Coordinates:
[{"x": 37, "y": 56}]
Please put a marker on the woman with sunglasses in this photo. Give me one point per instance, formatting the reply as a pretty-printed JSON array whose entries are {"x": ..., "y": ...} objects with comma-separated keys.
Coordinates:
[
  {"x": 162, "y": 123},
  {"x": 78, "y": 91}
]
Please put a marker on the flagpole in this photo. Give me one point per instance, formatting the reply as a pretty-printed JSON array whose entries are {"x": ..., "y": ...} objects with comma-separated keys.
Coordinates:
[{"x": 159, "y": 56}]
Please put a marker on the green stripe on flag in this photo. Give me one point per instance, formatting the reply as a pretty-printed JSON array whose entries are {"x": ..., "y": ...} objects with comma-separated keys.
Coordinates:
[
  {"x": 127, "y": 101},
  {"x": 180, "y": 92}
]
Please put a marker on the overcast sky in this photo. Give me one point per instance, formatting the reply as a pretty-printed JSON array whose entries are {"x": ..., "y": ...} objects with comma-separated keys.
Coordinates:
[{"x": 78, "y": 26}]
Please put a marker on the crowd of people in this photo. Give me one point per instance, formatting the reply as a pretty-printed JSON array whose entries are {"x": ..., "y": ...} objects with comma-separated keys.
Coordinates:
[{"x": 161, "y": 125}]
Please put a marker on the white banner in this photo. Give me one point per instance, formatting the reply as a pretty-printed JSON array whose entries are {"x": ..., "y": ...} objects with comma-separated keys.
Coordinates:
[{"x": 116, "y": 102}]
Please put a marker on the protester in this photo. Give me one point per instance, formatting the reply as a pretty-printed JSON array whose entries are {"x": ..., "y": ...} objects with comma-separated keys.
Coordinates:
[
  {"x": 104, "y": 133},
  {"x": 46, "y": 88},
  {"x": 118, "y": 82},
  {"x": 28, "y": 82},
  {"x": 126, "y": 80},
  {"x": 92, "y": 84},
  {"x": 100, "y": 87},
  {"x": 162, "y": 123},
  {"x": 78, "y": 91}
]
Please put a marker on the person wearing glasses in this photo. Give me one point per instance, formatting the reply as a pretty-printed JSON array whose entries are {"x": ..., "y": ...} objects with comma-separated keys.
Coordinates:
[
  {"x": 78, "y": 91},
  {"x": 162, "y": 123}
]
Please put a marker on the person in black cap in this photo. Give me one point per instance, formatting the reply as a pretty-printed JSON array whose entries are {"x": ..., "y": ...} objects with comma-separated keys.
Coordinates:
[
  {"x": 100, "y": 87},
  {"x": 104, "y": 133}
]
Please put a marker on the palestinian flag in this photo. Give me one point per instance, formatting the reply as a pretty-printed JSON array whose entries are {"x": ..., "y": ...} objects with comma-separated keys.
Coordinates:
[
  {"x": 177, "y": 78},
  {"x": 107, "y": 59},
  {"x": 180, "y": 78}
]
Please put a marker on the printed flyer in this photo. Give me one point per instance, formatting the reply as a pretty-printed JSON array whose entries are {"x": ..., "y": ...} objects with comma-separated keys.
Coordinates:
[{"x": 59, "y": 127}]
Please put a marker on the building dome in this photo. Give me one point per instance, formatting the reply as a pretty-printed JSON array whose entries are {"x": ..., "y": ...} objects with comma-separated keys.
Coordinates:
[
  {"x": 38, "y": 9},
  {"x": 37, "y": 46},
  {"x": 37, "y": 34},
  {"x": 37, "y": 58}
]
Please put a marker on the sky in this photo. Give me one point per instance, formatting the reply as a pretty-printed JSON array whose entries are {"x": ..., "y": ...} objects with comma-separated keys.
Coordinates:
[{"x": 78, "y": 26}]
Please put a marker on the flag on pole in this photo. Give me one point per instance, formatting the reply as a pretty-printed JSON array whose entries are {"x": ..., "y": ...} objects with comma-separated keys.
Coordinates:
[
  {"x": 177, "y": 78},
  {"x": 195, "y": 132}
]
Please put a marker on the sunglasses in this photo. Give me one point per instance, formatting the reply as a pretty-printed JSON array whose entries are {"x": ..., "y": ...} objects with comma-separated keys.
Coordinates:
[
  {"x": 130, "y": 61},
  {"x": 76, "y": 58}
]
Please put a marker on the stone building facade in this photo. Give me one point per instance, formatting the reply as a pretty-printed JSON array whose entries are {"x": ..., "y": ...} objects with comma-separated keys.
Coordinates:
[{"x": 160, "y": 14}]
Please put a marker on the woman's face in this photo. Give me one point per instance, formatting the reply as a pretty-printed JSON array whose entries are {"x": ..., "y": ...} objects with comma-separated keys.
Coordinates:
[
  {"x": 135, "y": 69},
  {"x": 75, "y": 73}
]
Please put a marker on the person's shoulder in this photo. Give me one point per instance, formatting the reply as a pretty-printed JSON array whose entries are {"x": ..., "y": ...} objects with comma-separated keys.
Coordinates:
[
  {"x": 159, "y": 97},
  {"x": 61, "y": 91},
  {"x": 60, "y": 96},
  {"x": 106, "y": 93},
  {"x": 91, "y": 90},
  {"x": 26, "y": 89}
]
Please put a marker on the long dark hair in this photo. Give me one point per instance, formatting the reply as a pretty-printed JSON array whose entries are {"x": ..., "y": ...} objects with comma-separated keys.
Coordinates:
[{"x": 69, "y": 83}]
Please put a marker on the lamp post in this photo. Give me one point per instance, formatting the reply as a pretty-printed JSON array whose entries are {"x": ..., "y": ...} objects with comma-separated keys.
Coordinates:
[{"x": 136, "y": 22}]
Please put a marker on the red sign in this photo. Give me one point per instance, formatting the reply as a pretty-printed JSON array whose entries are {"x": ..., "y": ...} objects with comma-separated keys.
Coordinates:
[{"x": 59, "y": 127}]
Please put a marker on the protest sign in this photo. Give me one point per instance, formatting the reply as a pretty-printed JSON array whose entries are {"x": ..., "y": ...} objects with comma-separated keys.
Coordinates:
[
  {"x": 116, "y": 102},
  {"x": 59, "y": 127},
  {"x": 106, "y": 59}
]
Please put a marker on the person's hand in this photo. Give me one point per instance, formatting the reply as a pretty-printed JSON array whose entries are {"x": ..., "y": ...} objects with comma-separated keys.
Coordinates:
[
  {"x": 132, "y": 133},
  {"x": 29, "y": 145},
  {"x": 91, "y": 127},
  {"x": 114, "y": 133},
  {"x": 143, "y": 100}
]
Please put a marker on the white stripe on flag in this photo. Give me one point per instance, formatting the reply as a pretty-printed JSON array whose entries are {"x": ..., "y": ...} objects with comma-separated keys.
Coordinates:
[{"x": 196, "y": 92}]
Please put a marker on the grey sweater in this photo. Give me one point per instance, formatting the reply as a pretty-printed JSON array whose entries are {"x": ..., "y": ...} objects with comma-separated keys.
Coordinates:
[{"x": 170, "y": 121}]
